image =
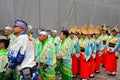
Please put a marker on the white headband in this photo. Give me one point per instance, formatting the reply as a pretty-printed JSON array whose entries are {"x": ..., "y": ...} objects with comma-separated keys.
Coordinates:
[
  {"x": 8, "y": 27},
  {"x": 55, "y": 31},
  {"x": 43, "y": 33},
  {"x": 30, "y": 27}
]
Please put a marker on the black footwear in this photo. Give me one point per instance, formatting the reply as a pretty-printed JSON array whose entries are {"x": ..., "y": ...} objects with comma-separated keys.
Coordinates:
[
  {"x": 91, "y": 76},
  {"x": 74, "y": 76},
  {"x": 103, "y": 65},
  {"x": 97, "y": 71},
  {"x": 113, "y": 74},
  {"x": 109, "y": 73}
]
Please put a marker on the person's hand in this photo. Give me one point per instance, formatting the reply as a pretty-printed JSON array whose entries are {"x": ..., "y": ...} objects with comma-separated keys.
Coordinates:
[
  {"x": 77, "y": 55},
  {"x": 44, "y": 65},
  {"x": 110, "y": 50},
  {"x": 93, "y": 55},
  {"x": 38, "y": 64}
]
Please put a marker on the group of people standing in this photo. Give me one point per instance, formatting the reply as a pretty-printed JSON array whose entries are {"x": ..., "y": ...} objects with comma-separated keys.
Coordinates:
[
  {"x": 95, "y": 47},
  {"x": 77, "y": 51}
]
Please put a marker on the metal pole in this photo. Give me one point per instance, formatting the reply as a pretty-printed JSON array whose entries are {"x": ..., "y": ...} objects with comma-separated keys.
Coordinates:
[
  {"x": 39, "y": 26},
  {"x": 75, "y": 11},
  {"x": 59, "y": 14}
]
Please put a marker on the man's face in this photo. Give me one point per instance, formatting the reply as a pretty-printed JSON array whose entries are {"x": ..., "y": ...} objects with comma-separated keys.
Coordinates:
[
  {"x": 78, "y": 35},
  {"x": 96, "y": 35},
  {"x": 104, "y": 32},
  {"x": 71, "y": 35},
  {"x": 53, "y": 34},
  {"x": 114, "y": 33},
  {"x": 89, "y": 35},
  {"x": 42, "y": 38},
  {"x": 83, "y": 36},
  {"x": 62, "y": 36},
  {"x": 17, "y": 29},
  {"x": 7, "y": 32},
  {"x": 2, "y": 45}
]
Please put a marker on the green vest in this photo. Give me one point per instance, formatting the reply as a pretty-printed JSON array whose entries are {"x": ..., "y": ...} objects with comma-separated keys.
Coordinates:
[{"x": 3, "y": 59}]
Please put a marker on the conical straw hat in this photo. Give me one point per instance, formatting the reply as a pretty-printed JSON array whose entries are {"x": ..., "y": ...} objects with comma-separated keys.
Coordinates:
[
  {"x": 91, "y": 29},
  {"x": 99, "y": 27},
  {"x": 116, "y": 28},
  {"x": 79, "y": 31},
  {"x": 71, "y": 31},
  {"x": 105, "y": 27},
  {"x": 85, "y": 29},
  {"x": 97, "y": 30}
]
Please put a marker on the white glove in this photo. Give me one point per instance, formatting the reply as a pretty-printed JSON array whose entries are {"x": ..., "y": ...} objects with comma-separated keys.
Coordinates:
[
  {"x": 110, "y": 50},
  {"x": 93, "y": 55},
  {"x": 77, "y": 55},
  {"x": 87, "y": 58}
]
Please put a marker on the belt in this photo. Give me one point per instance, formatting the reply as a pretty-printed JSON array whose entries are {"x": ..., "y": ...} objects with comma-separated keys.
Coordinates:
[
  {"x": 97, "y": 45},
  {"x": 111, "y": 45},
  {"x": 82, "y": 49},
  {"x": 104, "y": 42}
]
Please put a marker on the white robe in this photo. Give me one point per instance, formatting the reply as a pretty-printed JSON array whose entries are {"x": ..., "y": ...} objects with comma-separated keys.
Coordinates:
[{"x": 25, "y": 46}]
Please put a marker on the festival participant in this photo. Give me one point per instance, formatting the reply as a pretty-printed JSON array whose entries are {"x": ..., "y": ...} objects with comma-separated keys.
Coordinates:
[
  {"x": 47, "y": 57},
  {"x": 22, "y": 53},
  {"x": 85, "y": 51},
  {"x": 64, "y": 55},
  {"x": 10, "y": 34},
  {"x": 104, "y": 37},
  {"x": 4, "y": 43},
  {"x": 93, "y": 46},
  {"x": 98, "y": 42},
  {"x": 113, "y": 44}
]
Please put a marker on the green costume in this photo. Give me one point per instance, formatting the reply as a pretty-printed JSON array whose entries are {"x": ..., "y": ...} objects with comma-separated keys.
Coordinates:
[
  {"x": 3, "y": 62},
  {"x": 65, "y": 51},
  {"x": 47, "y": 56}
]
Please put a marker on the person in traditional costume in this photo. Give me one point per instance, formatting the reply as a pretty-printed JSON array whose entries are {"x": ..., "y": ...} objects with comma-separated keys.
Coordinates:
[
  {"x": 118, "y": 32},
  {"x": 55, "y": 40},
  {"x": 4, "y": 43},
  {"x": 47, "y": 57},
  {"x": 104, "y": 37},
  {"x": 29, "y": 31},
  {"x": 22, "y": 53},
  {"x": 76, "y": 58},
  {"x": 93, "y": 46},
  {"x": 10, "y": 35},
  {"x": 85, "y": 51},
  {"x": 98, "y": 41},
  {"x": 74, "y": 39},
  {"x": 64, "y": 55},
  {"x": 113, "y": 44}
]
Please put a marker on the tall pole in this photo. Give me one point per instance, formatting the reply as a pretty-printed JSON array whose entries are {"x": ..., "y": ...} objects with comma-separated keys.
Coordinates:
[
  {"x": 75, "y": 11},
  {"x": 39, "y": 25},
  {"x": 59, "y": 14}
]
